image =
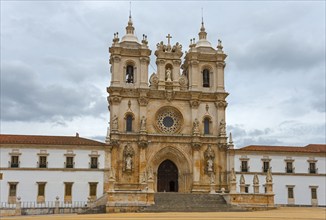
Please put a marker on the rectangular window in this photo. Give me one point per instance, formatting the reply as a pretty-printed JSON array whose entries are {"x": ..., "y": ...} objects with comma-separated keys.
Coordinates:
[
  {"x": 244, "y": 166},
  {"x": 12, "y": 189},
  {"x": 41, "y": 189},
  {"x": 69, "y": 162},
  {"x": 94, "y": 162},
  {"x": 313, "y": 193},
  {"x": 290, "y": 193},
  {"x": 14, "y": 161},
  {"x": 246, "y": 189},
  {"x": 265, "y": 166},
  {"x": 42, "y": 162},
  {"x": 92, "y": 189},
  {"x": 206, "y": 126},
  {"x": 289, "y": 167},
  {"x": 68, "y": 189},
  {"x": 312, "y": 167}
]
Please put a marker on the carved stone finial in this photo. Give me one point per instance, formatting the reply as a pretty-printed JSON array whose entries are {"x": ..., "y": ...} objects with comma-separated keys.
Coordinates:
[
  {"x": 242, "y": 180},
  {"x": 233, "y": 176},
  {"x": 255, "y": 180},
  {"x": 269, "y": 178}
]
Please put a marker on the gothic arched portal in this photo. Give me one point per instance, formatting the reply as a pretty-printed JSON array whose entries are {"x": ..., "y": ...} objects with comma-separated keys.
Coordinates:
[{"x": 167, "y": 177}]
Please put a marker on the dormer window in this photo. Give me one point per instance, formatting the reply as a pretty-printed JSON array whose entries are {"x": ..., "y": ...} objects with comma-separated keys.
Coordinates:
[
  {"x": 205, "y": 78},
  {"x": 130, "y": 74}
]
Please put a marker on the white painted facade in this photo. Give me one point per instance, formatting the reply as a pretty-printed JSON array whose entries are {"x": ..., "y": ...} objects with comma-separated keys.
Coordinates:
[
  {"x": 300, "y": 180},
  {"x": 55, "y": 175}
]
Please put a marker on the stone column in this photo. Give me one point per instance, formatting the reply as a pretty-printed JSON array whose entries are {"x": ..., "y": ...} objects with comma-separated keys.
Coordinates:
[
  {"x": 196, "y": 163},
  {"x": 56, "y": 205},
  {"x": 142, "y": 164},
  {"x": 18, "y": 210},
  {"x": 107, "y": 167}
]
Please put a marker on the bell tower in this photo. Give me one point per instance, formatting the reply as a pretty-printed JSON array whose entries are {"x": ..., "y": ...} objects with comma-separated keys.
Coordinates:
[
  {"x": 129, "y": 60},
  {"x": 204, "y": 65}
]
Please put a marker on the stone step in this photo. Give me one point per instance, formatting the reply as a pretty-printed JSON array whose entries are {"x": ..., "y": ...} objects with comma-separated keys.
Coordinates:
[{"x": 187, "y": 202}]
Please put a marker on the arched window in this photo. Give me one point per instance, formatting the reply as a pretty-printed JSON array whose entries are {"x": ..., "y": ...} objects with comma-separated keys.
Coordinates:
[
  {"x": 129, "y": 123},
  {"x": 206, "y": 78},
  {"x": 130, "y": 74},
  {"x": 206, "y": 125}
]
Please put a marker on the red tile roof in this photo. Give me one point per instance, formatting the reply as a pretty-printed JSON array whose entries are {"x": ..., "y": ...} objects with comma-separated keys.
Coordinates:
[
  {"x": 50, "y": 140},
  {"x": 311, "y": 148}
]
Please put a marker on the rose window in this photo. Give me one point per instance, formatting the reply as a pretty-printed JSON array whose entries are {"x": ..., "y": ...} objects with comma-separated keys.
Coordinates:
[{"x": 169, "y": 120}]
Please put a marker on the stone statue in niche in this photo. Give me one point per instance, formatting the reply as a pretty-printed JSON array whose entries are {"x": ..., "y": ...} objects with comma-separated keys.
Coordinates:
[
  {"x": 168, "y": 75},
  {"x": 222, "y": 127},
  {"x": 128, "y": 154},
  {"x": 143, "y": 123},
  {"x": 114, "y": 123},
  {"x": 210, "y": 165},
  {"x": 196, "y": 126},
  {"x": 209, "y": 158}
]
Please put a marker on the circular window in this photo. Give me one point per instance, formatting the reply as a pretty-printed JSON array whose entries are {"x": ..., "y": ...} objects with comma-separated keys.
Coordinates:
[{"x": 168, "y": 120}]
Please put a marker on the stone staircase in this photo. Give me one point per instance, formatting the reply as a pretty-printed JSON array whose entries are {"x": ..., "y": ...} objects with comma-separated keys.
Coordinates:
[{"x": 186, "y": 202}]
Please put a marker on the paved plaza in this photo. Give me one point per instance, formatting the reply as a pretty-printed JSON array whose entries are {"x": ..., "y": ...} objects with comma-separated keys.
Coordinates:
[{"x": 281, "y": 213}]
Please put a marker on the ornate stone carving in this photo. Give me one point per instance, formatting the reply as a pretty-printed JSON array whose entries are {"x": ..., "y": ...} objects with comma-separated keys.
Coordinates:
[
  {"x": 114, "y": 123},
  {"x": 255, "y": 180},
  {"x": 222, "y": 128},
  {"x": 194, "y": 103},
  {"x": 195, "y": 128},
  {"x": 269, "y": 178},
  {"x": 153, "y": 80},
  {"x": 233, "y": 176},
  {"x": 128, "y": 154},
  {"x": 143, "y": 101},
  {"x": 209, "y": 155},
  {"x": 221, "y": 104},
  {"x": 169, "y": 95},
  {"x": 168, "y": 75},
  {"x": 242, "y": 180},
  {"x": 183, "y": 81},
  {"x": 169, "y": 120},
  {"x": 115, "y": 99},
  {"x": 143, "y": 123}
]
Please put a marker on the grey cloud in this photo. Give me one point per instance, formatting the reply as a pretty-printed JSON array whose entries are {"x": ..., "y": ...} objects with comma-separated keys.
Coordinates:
[{"x": 25, "y": 98}]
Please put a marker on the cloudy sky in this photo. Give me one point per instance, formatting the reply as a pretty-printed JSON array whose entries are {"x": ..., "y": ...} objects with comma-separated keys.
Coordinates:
[{"x": 55, "y": 70}]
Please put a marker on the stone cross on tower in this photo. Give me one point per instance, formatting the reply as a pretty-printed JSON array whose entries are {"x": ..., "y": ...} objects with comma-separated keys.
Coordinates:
[{"x": 169, "y": 37}]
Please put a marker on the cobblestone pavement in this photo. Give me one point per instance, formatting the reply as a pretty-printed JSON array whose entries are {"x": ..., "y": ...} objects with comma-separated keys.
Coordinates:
[{"x": 281, "y": 213}]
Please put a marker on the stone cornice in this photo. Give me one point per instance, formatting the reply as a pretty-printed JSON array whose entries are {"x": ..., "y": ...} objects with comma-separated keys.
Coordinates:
[
  {"x": 117, "y": 92},
  {"x": 282, "y": 174}
]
